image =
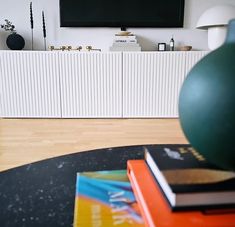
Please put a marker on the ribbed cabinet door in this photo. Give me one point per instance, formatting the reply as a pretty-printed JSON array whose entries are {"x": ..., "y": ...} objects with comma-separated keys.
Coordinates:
[
  {"x": 192, "y": 57},
  {"x": 29, "y": 84},
  {"x": 151, "y": 83},
  {"x": 91, "y": 85}
]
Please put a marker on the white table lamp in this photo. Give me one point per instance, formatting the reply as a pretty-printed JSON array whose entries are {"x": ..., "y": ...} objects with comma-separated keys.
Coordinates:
[{"x": 215, "y": 20}]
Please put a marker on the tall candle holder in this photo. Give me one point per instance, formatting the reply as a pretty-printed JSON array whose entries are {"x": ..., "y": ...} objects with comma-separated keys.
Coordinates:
[
  {"x": 31, "y": 23},
  {"x": 44, "y": 30}
]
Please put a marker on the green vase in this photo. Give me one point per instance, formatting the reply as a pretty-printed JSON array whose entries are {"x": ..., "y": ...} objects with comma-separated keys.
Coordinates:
[{"x": 207, "y": 104}]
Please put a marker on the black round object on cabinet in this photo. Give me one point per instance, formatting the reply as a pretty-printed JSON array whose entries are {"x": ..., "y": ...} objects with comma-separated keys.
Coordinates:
[{"x": 15, "y": 42}]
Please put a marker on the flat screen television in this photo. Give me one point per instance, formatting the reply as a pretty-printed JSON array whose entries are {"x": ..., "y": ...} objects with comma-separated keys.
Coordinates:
[{"x": 121, "y": 13}]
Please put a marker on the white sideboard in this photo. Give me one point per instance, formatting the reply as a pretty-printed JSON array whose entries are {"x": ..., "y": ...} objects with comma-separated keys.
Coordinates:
[
  {"x": 152, "y": 81},
  {"x": 29, "y": 84},
  {"x": 38, "y": 84},
  {"x": 91, "y": 85}
]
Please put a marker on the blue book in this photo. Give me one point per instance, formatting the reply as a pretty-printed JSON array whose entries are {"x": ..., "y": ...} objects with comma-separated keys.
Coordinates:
[{"x": 105, "y": 198}]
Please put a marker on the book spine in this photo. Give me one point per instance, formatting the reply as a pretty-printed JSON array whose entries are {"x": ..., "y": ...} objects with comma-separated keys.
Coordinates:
[
  {"x": 146, "y": 213},
  {"x": 125, "y": 41},
  {"x": 126, "y": 45},
  {"x": 125, "y": 49}
]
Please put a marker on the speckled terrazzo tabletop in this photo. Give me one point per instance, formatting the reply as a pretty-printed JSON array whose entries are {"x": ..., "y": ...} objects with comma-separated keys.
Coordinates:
[{"x": 42, "y": 193}]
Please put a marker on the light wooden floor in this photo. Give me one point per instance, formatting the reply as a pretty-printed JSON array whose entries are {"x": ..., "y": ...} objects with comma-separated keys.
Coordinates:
[{"x": 27, "y": 140}]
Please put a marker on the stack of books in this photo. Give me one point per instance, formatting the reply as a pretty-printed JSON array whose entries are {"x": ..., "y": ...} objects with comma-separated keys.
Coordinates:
[
  {"x": 172, "y": 186},
  {"x": 125, "y": 43},
  {"x": 175, "y": 186}
]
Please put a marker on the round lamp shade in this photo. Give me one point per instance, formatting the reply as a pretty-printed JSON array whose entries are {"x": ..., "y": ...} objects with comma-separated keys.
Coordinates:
[
  {"x": 215, "y": 20},
  {"x": 216, "y": 16},
  {"x": 207, "y": 104}
]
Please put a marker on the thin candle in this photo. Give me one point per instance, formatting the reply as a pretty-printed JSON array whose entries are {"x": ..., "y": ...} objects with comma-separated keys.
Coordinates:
[
  {"x": 31, "y": 21},
  {"x": 44, "y": 29}
]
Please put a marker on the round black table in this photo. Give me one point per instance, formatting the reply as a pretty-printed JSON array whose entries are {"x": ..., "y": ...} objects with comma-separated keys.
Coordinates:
[{"x": 43, "y": 193}]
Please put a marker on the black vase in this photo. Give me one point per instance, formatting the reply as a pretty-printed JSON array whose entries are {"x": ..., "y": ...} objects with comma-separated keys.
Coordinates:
[{"x": 15, "y": 41}]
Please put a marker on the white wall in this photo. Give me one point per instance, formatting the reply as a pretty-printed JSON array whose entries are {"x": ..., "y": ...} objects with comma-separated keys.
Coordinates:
[{"x": 17, "y": 11}]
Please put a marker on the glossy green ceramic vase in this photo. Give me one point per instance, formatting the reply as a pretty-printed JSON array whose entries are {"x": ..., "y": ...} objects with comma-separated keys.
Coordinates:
[{"x": 207, "y": 104}]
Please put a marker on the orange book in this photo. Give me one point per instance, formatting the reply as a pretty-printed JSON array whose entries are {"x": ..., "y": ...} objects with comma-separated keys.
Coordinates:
[{"x": 156, "y": 211}]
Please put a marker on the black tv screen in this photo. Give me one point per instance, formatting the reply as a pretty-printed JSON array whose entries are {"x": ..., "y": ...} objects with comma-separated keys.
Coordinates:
[{"x": 121, "y": 13}]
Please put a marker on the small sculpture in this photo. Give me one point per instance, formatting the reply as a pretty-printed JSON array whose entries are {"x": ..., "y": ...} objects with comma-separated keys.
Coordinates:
[
  {"x": 89, "y": 48},
  {"x": 69, "y": 48}
]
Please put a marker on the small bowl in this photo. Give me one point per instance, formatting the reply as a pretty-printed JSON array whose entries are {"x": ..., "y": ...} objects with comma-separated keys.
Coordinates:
[
  {"x": 185, "y": 48},
  {"x": 124, "y": 33}
]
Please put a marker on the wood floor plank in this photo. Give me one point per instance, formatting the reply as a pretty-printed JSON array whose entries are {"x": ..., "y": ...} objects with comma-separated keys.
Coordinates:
[{"x": 24, "y": 141}]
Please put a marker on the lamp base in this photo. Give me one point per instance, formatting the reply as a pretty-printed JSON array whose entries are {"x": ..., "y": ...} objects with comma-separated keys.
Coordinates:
[{"x": 216, "y": 36}]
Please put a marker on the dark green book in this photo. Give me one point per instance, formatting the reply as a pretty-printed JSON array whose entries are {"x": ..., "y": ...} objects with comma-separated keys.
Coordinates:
[{"x": 188, "y": 180}]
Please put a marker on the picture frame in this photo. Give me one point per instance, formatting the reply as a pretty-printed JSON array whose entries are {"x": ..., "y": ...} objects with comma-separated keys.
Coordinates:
[{"x": 161, "y": 47}]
